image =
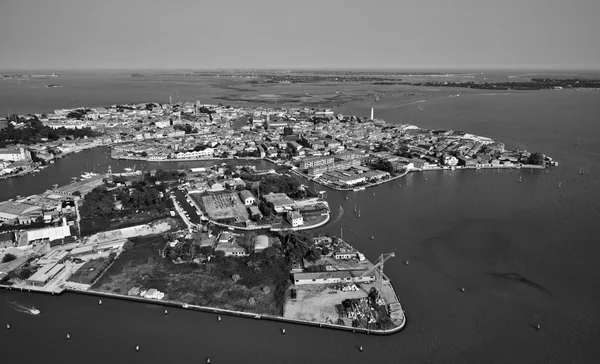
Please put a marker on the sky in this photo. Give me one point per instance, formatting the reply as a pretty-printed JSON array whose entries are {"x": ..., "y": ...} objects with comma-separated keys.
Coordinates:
[{"x": 386, "y": 34}]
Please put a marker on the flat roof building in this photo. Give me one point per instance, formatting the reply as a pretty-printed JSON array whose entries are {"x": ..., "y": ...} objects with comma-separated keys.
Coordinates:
[{"x": 44, "y": 274}]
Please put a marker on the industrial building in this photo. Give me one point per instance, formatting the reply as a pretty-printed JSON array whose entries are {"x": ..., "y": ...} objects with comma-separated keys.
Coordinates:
[
  {"x": 44, "y": 274},
  {"x": 342, "y": 276}
]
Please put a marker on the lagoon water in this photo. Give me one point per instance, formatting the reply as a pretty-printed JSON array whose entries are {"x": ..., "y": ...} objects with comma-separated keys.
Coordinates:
[{"x": 526, "y": 252}]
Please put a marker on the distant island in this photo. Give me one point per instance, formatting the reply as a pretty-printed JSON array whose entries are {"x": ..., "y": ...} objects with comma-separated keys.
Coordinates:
[
  {"x": 532, "y": 84},
  {"x": 35, "y": 75},
  {"x": 54, "y": 85}
]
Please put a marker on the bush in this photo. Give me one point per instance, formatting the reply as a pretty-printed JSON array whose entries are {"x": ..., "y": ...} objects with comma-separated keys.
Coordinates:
[
  {"x": 207, "y": 250},
  {"x": 536, "y": 158},
  {"x": 8, "y": 258},
  {"x": 25, "y": 273}
]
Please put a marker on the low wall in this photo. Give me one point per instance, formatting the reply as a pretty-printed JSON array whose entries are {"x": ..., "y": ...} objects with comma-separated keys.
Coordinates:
[{"x": 233, "y": 313}]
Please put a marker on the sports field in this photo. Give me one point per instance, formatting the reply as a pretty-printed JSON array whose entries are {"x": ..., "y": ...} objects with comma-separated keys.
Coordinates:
[{"x": 224, "y": 206}]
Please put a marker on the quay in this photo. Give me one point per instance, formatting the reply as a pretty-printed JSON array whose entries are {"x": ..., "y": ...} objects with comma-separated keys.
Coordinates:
[{"x": 206, "y": 309}]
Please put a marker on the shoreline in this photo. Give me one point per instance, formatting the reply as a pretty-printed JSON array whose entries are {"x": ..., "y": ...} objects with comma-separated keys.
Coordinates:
[
  {"x": 207, "y": 309},
  {"x": 433, "y": 169}
]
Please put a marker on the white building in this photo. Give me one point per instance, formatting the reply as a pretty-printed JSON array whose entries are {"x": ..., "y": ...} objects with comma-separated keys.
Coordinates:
[
  {"x": 450, "y": 160},
  {"x": 247, "y": 197},
  {"x": 295, "y": 218},
  {"x": 153, "y": 294},
  {"x": 14, "y": 154}
]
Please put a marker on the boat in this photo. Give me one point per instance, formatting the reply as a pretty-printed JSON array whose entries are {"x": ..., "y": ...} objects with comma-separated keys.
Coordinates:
[
  {"x": 88, "y": 175},
  {"x": 34, "y": 311},
  {"x": 51, "y": 161},
  {"x": 185, "y": 305},
  {"x": 127, "y": 169}
]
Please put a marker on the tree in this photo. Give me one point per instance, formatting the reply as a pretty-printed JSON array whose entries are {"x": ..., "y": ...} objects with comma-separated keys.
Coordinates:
[
  {"x": 207, "y": 250},
  {"x": 249, "y": 242},
  {"x": 144, "y": 154},
  {"x": 8, "y": 258},
  {"x": 536, "y": 158},
  {"x": 313, "y": 255},
  {"x": 25, "y": 273},
  {"x": 325, "y": 250},
  {"x": 270, "y": 252},
  {"x": 76, "y": 193}
]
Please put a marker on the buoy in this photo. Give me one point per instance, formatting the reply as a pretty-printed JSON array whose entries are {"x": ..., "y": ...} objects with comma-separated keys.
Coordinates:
[
  {"x": 137, "y": 348},
  {"x": 8, "y": 326},
  {"x": 166, "y": 312},
  {"x": 208, "y": 360},
  {"x": 538, "y": 327},
  {"x": 372, "y": 237},
  {"x": 283, "y": 331},
  {"x": 462, "y": 289},
  {"x": 406, "y": 262},
  {"x": 219, "y": 318},
  {"x": 100, "y": 302},
  {"x": 373, "y": 193},
  {"x": 360, "y": 348},
  {"x": 68, "y": 336}
]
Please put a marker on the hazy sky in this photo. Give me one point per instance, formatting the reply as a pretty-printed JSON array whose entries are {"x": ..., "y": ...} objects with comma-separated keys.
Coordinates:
[{"x": 63, "y": 34}]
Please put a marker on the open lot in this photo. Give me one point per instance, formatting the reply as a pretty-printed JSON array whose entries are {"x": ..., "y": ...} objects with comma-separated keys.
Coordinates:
[
  {"x": 224, "y": 206},
  {"x": 260, "y": 289},
  {"x": 317, "y": 302},
  {"x": 90, "y": 271}
]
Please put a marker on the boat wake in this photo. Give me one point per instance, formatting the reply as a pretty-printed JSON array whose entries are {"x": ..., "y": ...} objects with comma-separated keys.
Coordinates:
[
  {"x": 339, "y": 216},
  {"x": 24, "y": 309}
]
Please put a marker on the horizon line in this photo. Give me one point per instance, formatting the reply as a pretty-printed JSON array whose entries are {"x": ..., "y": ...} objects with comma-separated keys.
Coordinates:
[{"x": 329, "y": 68}]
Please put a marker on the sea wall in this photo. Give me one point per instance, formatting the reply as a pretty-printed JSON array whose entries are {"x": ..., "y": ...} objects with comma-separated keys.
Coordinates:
[{"x": 169, "y": 303}]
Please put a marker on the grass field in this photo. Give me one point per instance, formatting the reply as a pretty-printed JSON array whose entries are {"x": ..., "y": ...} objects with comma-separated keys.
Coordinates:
[
  {"x": 90, "y": 271},
  {"x": 206, "y": 285},
  {"x": 224, "y": 206}
]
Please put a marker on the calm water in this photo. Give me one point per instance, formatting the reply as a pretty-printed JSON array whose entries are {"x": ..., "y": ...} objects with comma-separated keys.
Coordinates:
[{"x": 526, "y": 253}]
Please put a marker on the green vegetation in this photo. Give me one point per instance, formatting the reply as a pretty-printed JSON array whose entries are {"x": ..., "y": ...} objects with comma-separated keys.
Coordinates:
[
  {"x": 140, "y": 203},
  {"x": 91, "y": 270},
  {"x": 208, "y": 284},
  {"x": 8, "y": 258},
  {"x": 187, "y": 128},
  {"x": 33, "y": 131},
  {"x": 274, "y": 183},
  {"x": 536, "y": 158}
]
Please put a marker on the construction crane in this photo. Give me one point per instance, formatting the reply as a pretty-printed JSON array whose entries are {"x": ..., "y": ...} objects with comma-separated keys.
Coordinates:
[{"x": 378, "y": 268}]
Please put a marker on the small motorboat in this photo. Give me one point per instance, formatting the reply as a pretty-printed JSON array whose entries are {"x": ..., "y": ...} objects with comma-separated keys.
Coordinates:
[{"x": 34, "y": 311}]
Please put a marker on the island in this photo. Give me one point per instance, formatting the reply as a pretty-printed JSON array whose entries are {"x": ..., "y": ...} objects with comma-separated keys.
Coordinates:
[
  {"x": 235, "y": 248},
  {"x": 230, "y": 238}
]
